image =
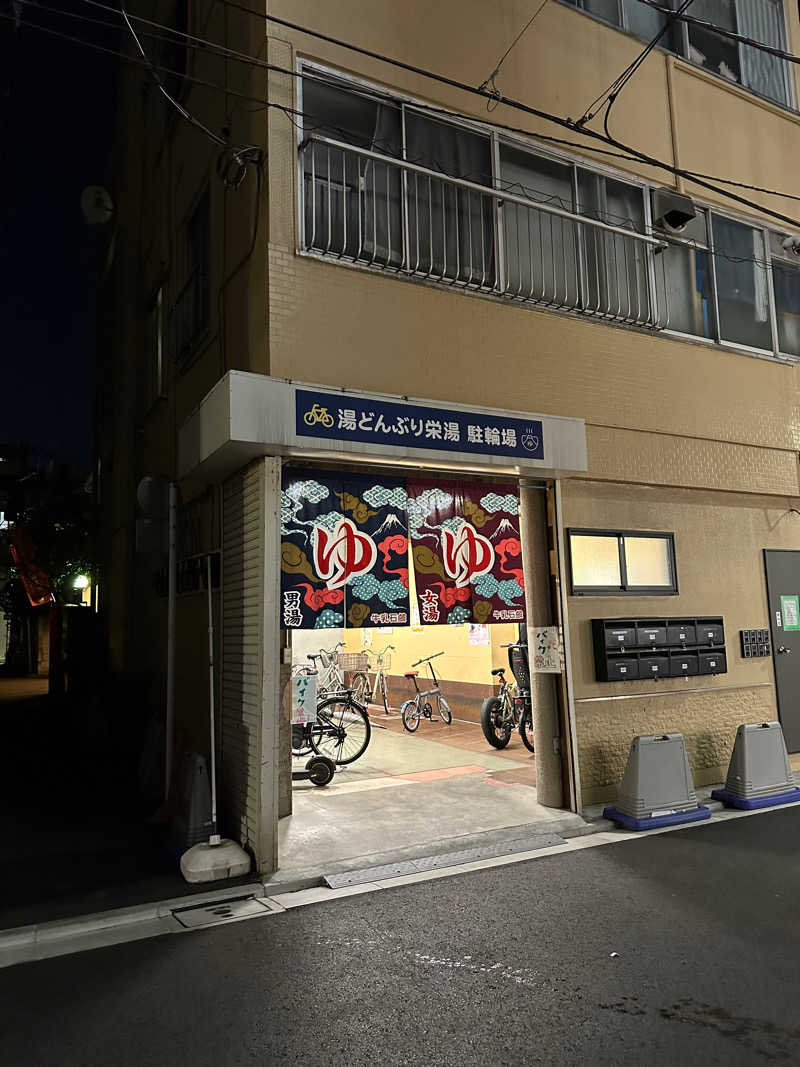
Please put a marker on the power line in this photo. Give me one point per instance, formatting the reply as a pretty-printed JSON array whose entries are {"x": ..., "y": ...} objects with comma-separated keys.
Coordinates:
[
  {"x": 162, "y": 88},
  {"x": 721, "y": 31},
  {"x": 615, "y": 88},
  {"x": 292, "y": 114},
  {"x": 490, "y": 81},
  {"x": 203, "y": 43},
  {"x": 566, "y": 123},
  {"x": 627, "y": 153}
]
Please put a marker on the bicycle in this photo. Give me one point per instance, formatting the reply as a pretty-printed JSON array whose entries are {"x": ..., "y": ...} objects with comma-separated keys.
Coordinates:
[
  {"x": 316, "y": 414},
  {"x": 383, "y": 661},
  {"x": 331, "y": 672},
  {"x": 341, "y": 730},
  {"x": 414, "y": 709},
  {"x": 511, "y": 708}
]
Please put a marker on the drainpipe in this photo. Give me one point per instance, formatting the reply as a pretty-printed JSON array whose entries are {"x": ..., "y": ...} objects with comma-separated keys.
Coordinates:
[{"x": 172, "y": 589}]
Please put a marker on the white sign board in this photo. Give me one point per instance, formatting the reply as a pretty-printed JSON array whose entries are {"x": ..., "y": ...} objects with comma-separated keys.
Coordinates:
[
  {"x": 547, "y": 650},
  {"x": 304, "y": 698}
]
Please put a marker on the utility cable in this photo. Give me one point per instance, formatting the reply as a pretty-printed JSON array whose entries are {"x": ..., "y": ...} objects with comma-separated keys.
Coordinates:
[
  {"x": 202, "y": 44},
  {"x": 609, "y": 96},
  {"x": 566, "y": 123},
  {"x": 293, "y": 114},
  {"x": 490, "y": 81},
  {"x": 236, "y": 157},
  {"x": 162, "y": 88},
  {"x": 627, "y": 152},
  {"x": 721, "y": 31}
]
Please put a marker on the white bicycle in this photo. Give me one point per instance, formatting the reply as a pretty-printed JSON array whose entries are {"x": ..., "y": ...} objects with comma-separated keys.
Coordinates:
[
  {"x": 331, "y": 669},
  {"x": 380, "y": 664}
]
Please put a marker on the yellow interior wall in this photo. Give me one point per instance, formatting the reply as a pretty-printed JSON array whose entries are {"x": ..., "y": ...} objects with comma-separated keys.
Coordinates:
[{"x": 461, "y": 662}]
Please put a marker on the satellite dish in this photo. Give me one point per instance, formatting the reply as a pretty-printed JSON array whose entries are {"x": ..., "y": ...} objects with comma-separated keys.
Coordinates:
[{"x": 96, "y": 205}]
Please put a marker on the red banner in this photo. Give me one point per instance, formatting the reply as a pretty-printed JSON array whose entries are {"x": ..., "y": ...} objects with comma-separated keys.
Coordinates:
[
  {"x": 34, "y": 579},
  {"x": 467, "y": 553}
]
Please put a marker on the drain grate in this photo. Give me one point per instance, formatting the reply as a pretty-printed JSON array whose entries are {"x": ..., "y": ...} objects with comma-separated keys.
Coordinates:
[
  {"x": 444, "y": 859},
  {"x": 224, "y": 911}
]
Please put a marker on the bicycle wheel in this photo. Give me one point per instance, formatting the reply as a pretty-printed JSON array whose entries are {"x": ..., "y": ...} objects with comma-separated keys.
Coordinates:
[
  {"x": 359, "y": 683},
  {"x": 410, "y": 715},
  {"x": 383, "y": 693},
  {"x": 526, "y": 729},
  {"x": 341, "y": 731},
  {"x": 301, "y": 739},
  {"x": 495, "y": 722},
  {"x": 444, "y": 710}
]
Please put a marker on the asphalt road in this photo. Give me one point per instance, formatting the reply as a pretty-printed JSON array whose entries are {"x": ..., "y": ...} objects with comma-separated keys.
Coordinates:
[{"x": 676, "y": 949}]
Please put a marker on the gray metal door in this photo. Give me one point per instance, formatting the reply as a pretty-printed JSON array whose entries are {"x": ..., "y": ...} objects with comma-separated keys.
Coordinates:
[{"x": 783, "y": 593}]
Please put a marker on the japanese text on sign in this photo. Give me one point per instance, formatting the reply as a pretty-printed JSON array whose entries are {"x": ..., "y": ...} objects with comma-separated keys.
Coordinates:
[{"x": 414, "y": 426}]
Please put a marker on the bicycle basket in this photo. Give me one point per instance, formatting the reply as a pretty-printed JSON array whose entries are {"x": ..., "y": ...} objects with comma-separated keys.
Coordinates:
[
  {"x": 324, "y": 658},
  {"x": 353, "y": 661},
  {"x": 383, "y": 661}
]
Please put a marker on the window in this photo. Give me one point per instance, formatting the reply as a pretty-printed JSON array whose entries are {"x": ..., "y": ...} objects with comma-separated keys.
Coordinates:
[
  {"x": 388, "y": 187},
  {"x": 742, "y": 283},
  {"x": 786, "y": 286},
  {"x": 761, "y": 20},
  {"x": 190, "y": 314},
  {"x": 615, "y": 268},
  {"x": 541, "y": 250},
  {"x": 644, "y": 22},
  {"x": 152, "y": 365},
  {"x": 634, "y": 562},
  {"x": 689, "y": 280}
]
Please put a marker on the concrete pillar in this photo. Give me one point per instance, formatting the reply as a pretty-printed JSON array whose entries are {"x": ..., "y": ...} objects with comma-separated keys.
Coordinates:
[
  {"x": 285, "y": 733},
  {"x": 538, "y": 609},
  {"x": 270, "y": 673}
]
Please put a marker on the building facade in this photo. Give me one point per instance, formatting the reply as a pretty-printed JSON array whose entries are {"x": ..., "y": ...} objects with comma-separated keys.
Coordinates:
[{"x": 368, "y": 227}]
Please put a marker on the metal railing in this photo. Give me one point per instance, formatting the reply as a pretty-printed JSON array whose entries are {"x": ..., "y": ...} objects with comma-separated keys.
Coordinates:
[{"x": 369, "y": 208}]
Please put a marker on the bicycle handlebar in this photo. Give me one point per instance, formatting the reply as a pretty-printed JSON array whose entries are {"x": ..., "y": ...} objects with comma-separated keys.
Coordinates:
[
  {"x": 330, "y": 651},
  {"x": 425, "y": 659}
]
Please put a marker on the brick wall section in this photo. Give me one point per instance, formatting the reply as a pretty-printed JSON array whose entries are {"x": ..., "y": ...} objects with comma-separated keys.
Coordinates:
[
  {"x": 708, "y": 722},
  {"x": 637, "y": 456}
]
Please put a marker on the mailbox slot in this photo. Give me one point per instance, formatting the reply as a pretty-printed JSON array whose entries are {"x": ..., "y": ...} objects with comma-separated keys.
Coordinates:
[
  {"x": 681, "y": 634},
  {"x": 683, "y": 664},
  {"x": 651, "y": 636},
  {"x": 712, "y": 663},
  {"x": 620, "y": 637},
  {"x": 622, "y": 668},
  {"x": 653, "y": 666}
]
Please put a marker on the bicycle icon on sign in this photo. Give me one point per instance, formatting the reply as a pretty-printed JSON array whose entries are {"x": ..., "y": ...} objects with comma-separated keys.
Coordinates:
[{"x": 316, "y": 414}]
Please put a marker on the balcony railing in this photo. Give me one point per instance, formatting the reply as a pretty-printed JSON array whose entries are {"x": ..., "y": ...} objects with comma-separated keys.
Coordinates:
[{"x": 368, "y": 208}]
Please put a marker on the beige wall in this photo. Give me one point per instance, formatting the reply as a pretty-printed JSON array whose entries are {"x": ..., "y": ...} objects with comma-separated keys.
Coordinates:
[
  {"x": 703, "y": 415},
  {"x": 660, "y": 412},
  {"x": 719, "y": 540}
]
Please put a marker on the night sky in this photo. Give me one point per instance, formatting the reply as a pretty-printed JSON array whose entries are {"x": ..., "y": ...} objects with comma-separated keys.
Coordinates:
[{"x": 55, "y": 129}]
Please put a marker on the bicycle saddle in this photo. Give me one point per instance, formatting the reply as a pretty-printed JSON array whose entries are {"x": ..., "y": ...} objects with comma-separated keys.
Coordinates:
[
  {"x": 312, "y": 657},
  {"x": 411, "y": 674},
  {"x": 499, "y": 670}
]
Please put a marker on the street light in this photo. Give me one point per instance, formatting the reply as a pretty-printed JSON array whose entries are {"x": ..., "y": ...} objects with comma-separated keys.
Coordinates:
[{"x": 81, "y": 582}]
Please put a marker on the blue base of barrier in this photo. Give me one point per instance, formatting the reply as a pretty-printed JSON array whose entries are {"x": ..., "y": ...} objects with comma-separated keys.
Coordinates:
[
  {"x": 730, "y": 800},
  {"x": 653, "y": 821}
]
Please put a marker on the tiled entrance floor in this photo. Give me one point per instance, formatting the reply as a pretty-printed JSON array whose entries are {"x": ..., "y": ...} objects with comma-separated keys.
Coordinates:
[{"x": 436, "y": 785}]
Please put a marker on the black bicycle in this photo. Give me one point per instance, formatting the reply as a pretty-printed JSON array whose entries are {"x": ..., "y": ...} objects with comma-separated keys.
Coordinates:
[
  {"x": 510, "y": 709},
  {"x": 340, "y": 731}
]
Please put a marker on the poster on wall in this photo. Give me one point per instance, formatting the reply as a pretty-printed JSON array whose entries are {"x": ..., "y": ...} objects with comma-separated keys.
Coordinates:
[
  {"x": 344, "y": 550},
  {"x": 467, "y": 554},
  {"x": 547, "y": 650}
]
